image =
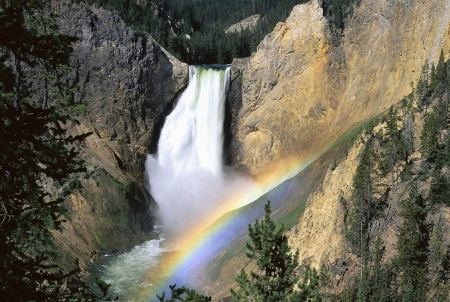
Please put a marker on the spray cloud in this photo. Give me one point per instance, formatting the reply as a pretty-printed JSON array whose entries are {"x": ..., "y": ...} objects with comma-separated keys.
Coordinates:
[{"x": 186, "y": 176}]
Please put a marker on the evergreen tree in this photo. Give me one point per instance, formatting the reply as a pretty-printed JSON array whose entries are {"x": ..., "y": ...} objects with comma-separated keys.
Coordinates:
[
  {"x": 276, "y": 275},
  {"x": 170, "y": 21},
  {"x": 378, "y": 277},
  {"x": 439, "y": 189},
  {"x": 309, "y": 287},
  {"x": 35, "y": 105},
  {"x": 429, "y": 138},
  {"x": 439, "y": 271},
  {"x": 362, "y": 294},
  {"x": 412, "y": 244},
  {"x": 362, "y": 203},
  {"x": 349, "y": 294},
  {"x": 408, "y": 293},
  {"x": 394, "y": 145},
  {"x": 183, "y": 294},
  {"x": 439, "y": 76},
  {"x": 422, "y": 91},
  {"x": 324, "y": 280}
]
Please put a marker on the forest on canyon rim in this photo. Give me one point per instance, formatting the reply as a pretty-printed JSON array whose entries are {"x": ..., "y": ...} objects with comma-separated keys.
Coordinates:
[
  {"x": 403, "y": 164},
  {"x": 193, "y": 31}
]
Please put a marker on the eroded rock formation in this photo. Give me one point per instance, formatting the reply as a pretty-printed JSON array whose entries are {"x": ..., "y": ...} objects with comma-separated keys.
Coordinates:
[
  {"x": 302, "y": 89},
  {"x": 128, "y": 84}
]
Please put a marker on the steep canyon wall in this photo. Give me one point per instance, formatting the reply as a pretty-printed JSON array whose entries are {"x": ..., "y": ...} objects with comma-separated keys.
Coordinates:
[
  {"x": 128, "y": 84},
  {"x": 304, "y": 87}
]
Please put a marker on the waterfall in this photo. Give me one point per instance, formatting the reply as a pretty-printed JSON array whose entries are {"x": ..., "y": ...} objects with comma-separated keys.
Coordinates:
[
  {"x": 186, "y": 175},
  {"x": 192, "y": 136}
]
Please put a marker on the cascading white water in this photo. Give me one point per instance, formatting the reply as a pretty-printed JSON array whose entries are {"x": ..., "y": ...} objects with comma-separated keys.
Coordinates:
[
  {"x": 186, "y": 177},
  {"x": 192, "y": 137}
]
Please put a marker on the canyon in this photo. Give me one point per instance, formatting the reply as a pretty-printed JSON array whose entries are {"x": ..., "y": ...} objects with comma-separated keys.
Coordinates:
[{"x": 304, "y": 88}]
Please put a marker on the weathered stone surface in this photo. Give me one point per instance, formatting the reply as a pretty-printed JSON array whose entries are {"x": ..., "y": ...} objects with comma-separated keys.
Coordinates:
[
  {"x": 319, "y": 235},
  {"x": 301, "y": 91},
  {"x": 129, "y": 84},
  {"x": 247, "y": 23}
]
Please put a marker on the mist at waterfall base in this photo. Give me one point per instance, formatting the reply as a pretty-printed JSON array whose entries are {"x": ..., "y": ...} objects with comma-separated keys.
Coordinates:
[
  {"x": 186, "y": 175},
  {"x": 190, "y": 184}
]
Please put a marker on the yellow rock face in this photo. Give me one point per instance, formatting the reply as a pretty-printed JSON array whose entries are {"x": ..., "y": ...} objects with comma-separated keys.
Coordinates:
[
  {"x": 318, "y": 237},
  {"x": 301, "y": 90}
]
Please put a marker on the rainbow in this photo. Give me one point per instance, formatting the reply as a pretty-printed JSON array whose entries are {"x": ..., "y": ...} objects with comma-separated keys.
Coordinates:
[{"x": 196, "y": 246}]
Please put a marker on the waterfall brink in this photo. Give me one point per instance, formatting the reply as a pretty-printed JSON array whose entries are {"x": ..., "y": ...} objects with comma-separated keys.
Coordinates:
[{"x": 186, "y": 175}]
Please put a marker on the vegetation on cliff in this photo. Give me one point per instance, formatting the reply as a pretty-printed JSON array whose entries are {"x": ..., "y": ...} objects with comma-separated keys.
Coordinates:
[
  {"x": 269, "y": 248},
  {"x": 408, "y": 152},
  {"x": 401, "y": 183},
  {"x": 194, "y": 31},
  {"x": 35, "y": 106},
  {"x": 337, "y": 10},
  {"x": 277, "y": 275}
]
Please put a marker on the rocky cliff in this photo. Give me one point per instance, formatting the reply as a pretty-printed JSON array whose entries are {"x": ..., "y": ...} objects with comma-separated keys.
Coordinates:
[
  {"x": 128, "y": 84},
  {"x": 320, "y": 234},
  {"x": 302, "y": 89}
]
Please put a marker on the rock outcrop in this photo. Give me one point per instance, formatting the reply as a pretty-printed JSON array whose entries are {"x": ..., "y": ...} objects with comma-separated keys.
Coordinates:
[
  {"x": 247, "y": 23},
  {"x": 301, "y": 89},
  {"x": 319, "y": 235},
  {"x": 128, "y": 84}
]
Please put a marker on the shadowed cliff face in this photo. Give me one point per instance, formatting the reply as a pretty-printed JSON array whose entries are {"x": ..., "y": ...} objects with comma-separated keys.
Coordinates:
[
  {"x": 127, "y": 81},
  {"x": 300, "y": 91},
  {"x": 129, "y": 84}
]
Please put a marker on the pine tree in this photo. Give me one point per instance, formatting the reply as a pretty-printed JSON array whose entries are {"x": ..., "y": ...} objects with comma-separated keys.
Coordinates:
[
  {"x": 412, "y": 244},
  {"x": 429, "y": 138},
  {"x": 362, "y": 294},
  {"x": 438, "y": 272},
  {"x": 378, "y": 276},
  {"x": 408, "y": 293},
  {"x": 324, "y": 280},
  {"x": 35, "y": 105},
  {"x": 394, "y": 145},
  {"x": 423, "y": 87},
  {"x": 183, "y": 294},
  {"x": 439, "y": 78},
  {"x": 276, "y": 274},
  {"x": 439, "y": 191},
  {"x": 309, "y": 287},
  {"x": 362, "y": 202},
  {"x": 349, "y": 294}
]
